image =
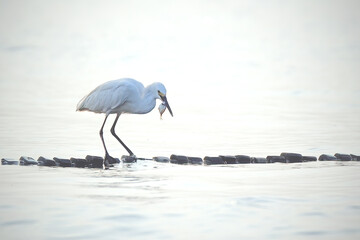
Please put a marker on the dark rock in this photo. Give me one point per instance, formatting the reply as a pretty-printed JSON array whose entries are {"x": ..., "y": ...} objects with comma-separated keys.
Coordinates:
[
  {"x": 292, "y": 157},
  {"x": 195, "y": 160},
  {"x": 94, "y": 161},
  {"x": 213, "y": 160},
  {"x": 179, "y": 159},
  {"x": 309, "y": 159},
  {"x": 276, "y": 159},
  {"x": 128, "y": 159},
  {"x": 25, "y": 161},
  {"x": 326, "y": 157},
  {"x": 62, "y": 162},
  {"x": 355, "y": 157},
  {"x": 143, "y": 159},
  {"x": 343, "y": 157},
  {"x": 228, "y": 159},
  {"x": 242, "y": 159},
  {"x": 161, "y": 159},
  {"x": 9, "y": 161},
  {"x": 79, "y": 162},
  {"x": 258, "y": 160},
  {"x": 46, "y": 162}
]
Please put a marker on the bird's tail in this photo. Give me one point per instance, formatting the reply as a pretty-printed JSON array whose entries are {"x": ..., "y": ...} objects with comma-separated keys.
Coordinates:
[{"x": 80, "y": 105}]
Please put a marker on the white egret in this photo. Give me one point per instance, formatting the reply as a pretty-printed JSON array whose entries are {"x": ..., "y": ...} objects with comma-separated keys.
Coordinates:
[{"x": 122, "y": 96}]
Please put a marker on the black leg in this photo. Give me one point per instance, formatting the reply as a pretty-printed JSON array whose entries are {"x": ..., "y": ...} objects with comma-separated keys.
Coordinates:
[
  {"x": 101, "y": 135},
  {"x": 107, "y": 156},
  {"x": 114, "y": 134}
]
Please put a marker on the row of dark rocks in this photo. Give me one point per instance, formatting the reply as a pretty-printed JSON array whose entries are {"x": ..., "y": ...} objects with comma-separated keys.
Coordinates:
[
  {"x": 88, "y": 161},
  {"x": 244, "y": 159},
  {"x": 97, "y": 162}
]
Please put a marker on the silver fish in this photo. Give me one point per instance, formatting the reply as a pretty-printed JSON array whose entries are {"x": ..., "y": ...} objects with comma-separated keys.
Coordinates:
[{"x": 162, "y": 108}]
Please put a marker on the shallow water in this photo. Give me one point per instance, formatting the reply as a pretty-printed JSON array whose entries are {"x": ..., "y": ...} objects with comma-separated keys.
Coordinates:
[
  {"x": 149, "y": 200},
  {"x": 242, "y": 77}
]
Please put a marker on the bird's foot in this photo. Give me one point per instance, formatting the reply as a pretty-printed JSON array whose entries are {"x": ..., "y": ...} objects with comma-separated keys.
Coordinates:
[
  {"x": 106, "y": 165},
  {"x": 128, "y": 159},
  {"x": 107, "y": 160}
]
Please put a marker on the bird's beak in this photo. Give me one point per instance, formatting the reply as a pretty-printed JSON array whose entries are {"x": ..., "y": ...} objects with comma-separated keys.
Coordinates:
[{"x": 164, "y": 99}]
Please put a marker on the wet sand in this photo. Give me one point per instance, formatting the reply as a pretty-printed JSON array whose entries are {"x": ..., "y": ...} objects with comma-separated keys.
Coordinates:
[{"x": 149, "y": 200}]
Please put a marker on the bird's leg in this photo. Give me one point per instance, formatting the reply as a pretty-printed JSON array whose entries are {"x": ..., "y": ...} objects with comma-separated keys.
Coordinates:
[
  {"x": 107, "y": 156},
  {"x": 114, "y": 134}
]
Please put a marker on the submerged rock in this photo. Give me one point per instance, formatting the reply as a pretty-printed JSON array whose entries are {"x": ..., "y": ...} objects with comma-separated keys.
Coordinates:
[
  {"x": 326, "y": 157},
  {"x": 179, "y": 159},
  {"x": 292, "y": 157},
  {"x": 161, "y": 159},
  {"x": 142, "y": 159},
  {"x": 276, "y": 159},
  {"x": 79, "y": 162},
  {"x": 46, "y": 162},
  {"x": 94, "y": 161},
  {"x": 9, "y": 161},
  {"x": 228, "y": 159},
  {"x": 355, "y": 157},
  {"x": 343, "y": 157},
  {"x": 242, "y": 159},
  {"x": 26, "y": 161},
  {"x": 213, "y": 160},
  {"x": 258, "y": 160},
  {"x": 62, "y": 162},
  {"x": 128, "y": 159},
  {"x": 309, "y": 159},
  {"x": 195, "y": 160}
]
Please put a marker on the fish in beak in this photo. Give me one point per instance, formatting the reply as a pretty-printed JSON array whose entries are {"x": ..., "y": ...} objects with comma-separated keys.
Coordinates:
[{"x": 162, "y": 109}]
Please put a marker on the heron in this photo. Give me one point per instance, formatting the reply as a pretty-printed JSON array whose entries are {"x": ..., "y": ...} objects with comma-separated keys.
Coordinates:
[{"x": 120, "y": 96}]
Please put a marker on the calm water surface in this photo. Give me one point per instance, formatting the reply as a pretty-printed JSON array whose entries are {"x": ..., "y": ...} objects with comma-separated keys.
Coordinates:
[
  {"x": 150, "y": 200},
  {"x": 242, "y": 77}
]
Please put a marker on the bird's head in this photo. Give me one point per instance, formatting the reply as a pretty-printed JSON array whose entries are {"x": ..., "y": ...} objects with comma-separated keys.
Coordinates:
[{"x": 161, "y": 94}]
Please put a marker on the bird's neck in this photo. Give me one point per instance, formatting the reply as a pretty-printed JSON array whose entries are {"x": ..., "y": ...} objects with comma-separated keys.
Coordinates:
[{"x": 148, "y": 100}]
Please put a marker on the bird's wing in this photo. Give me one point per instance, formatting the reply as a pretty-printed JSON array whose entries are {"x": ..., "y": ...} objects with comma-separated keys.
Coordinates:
[{"x": 109, "y": 95}]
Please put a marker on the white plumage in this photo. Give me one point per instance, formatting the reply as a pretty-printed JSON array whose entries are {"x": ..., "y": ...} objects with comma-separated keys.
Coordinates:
[{"x": 124, "y": 95}]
